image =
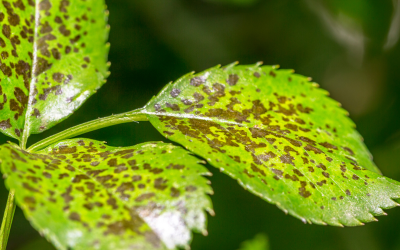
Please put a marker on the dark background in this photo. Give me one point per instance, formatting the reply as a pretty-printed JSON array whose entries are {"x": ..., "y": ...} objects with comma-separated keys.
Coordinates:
[{"x": 350, "y": 47}]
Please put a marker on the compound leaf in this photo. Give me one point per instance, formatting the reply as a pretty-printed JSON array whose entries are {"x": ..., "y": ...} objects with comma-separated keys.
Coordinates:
[
  {"x": 281, "y": 137},
  {"x": 53, "y": 57},
  {"x": 83, "y": 194}
]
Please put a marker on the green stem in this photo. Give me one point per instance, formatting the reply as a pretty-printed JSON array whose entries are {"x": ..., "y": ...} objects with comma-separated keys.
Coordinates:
[
  {"x": 7, "y": 220},
  {"x": 132, "y": 116},
  {"x": 23, "y": 141}
]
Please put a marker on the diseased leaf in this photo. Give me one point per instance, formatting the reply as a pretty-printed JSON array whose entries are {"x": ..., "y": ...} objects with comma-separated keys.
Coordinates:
[
  {"x": 281, "y": 137},
  {"x": 82, "y": 194},
  {"x": 53, "y": 57}
]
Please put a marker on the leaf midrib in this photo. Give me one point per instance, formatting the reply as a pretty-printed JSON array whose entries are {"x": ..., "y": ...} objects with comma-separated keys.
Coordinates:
[
  {"x": 247, "y": 125},
  {"x": 27, "y": 125}
]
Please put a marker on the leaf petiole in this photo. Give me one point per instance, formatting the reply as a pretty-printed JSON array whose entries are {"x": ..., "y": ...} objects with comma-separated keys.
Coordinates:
[
  {"x": 7, "y": 220},
  {"x": 132, "y": 116}
]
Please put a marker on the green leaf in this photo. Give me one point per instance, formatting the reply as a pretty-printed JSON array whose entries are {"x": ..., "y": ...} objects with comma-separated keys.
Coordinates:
[
  {"x": 260, "y": 242},
  {"x": 82, "y": 194},
  {"x": 53, "y": 57},
  {"x": 281, "y": 137}
]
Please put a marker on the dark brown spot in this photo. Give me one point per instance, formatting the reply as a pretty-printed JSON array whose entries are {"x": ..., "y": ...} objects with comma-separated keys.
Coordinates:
[
  {"x": 36, "y": 113},
  {"x": 257, "y": 170},
  {"x": 58, "y": 77},
  {"x": 56, "y": 54},
  {"x": 63, "y": 5},
  {"x": 302, "y": 190},
  {"x": 175, "y": 192},
  {"x": 6, "y": 31},
  {"x": 46, "y": 28},
  {"x": 159, "y": 183},
  {"x": 198, "y": 97},
  {"x": 174, "y": 106},
  {"x": 175, "y": 92},
  {"x": 144, "y": 197},
  {"x": 197, "y": 81},
  {"x": 349, "y": 151},
  {"x": 328, "y": 145},
  {"x": 232, "y": 79},
  {"x": 314, "y": 149}
]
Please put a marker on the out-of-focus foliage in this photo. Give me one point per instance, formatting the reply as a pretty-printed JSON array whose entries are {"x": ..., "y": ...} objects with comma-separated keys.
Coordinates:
[
  {"x": 234, "y": 2},
  {"x": 259, "y": 242},
  {"x": 39, "y": 243}
]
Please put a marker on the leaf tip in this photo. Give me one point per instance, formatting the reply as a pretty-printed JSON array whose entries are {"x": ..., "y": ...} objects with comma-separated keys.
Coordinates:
[
  {"x": 208, "y": 174},
  {"x": 211, "y": 212}
]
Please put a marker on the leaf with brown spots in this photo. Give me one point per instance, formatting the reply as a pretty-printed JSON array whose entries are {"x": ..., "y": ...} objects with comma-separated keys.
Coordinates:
[
  {"x": 83, "y": 194},
  {"x": 53, "y": 57},
  {"x": 281, "y": 137}
]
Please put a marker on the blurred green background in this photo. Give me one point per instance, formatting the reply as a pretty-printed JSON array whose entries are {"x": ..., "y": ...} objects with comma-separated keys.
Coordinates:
[{"x": 350, "y": 47}]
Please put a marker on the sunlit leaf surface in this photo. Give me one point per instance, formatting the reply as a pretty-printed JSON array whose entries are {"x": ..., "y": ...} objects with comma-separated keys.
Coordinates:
[
  {"x": 83, "y": 194},
  {"x": 53, "y": 56},
  {"x": 281, "y": 137}
]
